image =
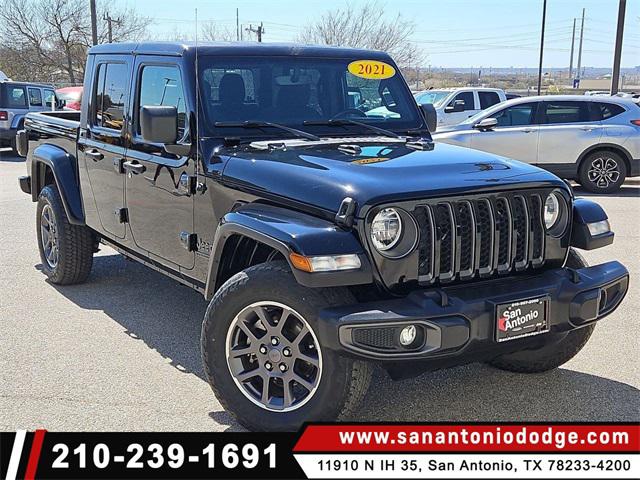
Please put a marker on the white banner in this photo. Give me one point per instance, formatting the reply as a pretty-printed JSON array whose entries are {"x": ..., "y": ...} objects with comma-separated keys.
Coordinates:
[{"x": 470, "y": 465}]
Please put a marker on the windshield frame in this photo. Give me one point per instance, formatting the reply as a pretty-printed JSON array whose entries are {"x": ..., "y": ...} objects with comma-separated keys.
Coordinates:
[{"x": 416, "y": 124}]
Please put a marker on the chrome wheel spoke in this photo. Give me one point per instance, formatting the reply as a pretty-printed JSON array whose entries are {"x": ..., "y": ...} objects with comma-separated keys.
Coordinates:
[{"x": 247, "y": 331}]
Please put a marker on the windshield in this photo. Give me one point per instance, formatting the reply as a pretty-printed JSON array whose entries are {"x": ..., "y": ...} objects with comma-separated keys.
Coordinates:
[
  {"x": 293, "y": 90},
  {"x": 432, "y": 96}
]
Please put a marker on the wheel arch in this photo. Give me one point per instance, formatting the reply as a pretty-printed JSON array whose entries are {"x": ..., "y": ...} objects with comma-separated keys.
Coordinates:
[
  {"x": 620, "y": 150},
  {"x": 265, "y": 232},
  {"x": 53, "y": 165}
]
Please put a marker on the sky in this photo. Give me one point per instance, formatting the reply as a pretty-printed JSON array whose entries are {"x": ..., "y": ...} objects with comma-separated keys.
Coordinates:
[{"x": 451, "y": 33}]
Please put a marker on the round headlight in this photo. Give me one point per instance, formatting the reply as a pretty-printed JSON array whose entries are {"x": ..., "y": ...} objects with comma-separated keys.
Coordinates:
[
  {"x": 386, "y": 229},
  {"x": 551, "y": 211}
]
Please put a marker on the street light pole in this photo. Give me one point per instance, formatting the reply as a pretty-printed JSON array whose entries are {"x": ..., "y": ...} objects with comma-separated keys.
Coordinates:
[
  {"x": 617, "y": 54},
  {"x": 544, "y": 17},
  {"x": 94, "y": 22}
]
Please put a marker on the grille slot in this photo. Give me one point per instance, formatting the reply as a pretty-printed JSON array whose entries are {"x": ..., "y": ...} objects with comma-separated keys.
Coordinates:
[{"x": 479, "y": 237}]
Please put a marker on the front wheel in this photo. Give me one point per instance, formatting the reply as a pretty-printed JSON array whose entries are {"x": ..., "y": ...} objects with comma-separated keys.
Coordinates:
[
  {"x": 555, "y": 353},
  {"x": 263, "y": 358}
]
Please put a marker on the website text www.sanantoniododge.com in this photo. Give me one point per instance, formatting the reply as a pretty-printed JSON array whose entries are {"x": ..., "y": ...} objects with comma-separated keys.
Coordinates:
[{"x": 496, "y": 437}]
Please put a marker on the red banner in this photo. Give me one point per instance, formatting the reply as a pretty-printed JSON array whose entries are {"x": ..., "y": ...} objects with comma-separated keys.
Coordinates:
[{"x": 471, "y": 438}]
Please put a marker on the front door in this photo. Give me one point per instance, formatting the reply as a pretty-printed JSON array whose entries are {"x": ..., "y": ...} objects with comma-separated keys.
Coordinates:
[
  {"x": 515, "y": 136},
  {"x": 461, "y": 107},
  {"x": 102, "y": 145},
  {"x": 159, "y": 201}
]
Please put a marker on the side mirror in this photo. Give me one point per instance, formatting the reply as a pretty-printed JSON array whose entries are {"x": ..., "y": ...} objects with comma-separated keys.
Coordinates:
[
  {"x": 159, "y": 124},
  {"x": 430, "y": 116},
  {"x": 456, "y": 106},
  {"x": 60, "y": 104},
  {"x": 486, "y": 124}
]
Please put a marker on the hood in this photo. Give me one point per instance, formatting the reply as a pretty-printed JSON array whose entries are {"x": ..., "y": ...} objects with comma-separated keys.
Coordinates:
[{"x": 322, "y": 176}]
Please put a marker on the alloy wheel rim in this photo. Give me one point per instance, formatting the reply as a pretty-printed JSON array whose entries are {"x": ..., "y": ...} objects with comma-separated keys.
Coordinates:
[
  {"x": 49, "y": 236},
  {"x": 273, "y": 356},
  {"x": 603, "y": 172}
]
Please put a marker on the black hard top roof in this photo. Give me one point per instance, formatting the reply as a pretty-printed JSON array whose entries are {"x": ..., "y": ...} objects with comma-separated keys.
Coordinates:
[
  {"x": 25, "y": 84},
  {"x": 235, "y": 48}
]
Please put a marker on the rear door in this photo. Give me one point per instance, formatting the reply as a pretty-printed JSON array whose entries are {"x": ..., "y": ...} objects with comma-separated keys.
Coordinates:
[
  {"x": 159, "y": 201},
  {"x": 515, "y": 136},
  {"x": 102, "y": 144},
  {"x": 568, "y": 128}
]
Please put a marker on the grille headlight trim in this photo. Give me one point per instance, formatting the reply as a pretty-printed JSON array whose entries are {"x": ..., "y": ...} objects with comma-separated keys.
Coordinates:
[{"x": 386, "y": 229}]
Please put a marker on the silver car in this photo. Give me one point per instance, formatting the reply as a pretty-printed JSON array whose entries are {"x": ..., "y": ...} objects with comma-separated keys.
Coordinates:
[{"x": 593, "y": 140}]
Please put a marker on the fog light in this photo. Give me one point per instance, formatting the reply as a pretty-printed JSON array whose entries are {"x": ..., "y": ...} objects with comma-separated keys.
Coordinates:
[
  {"x": 598, "y": 228},
  {"x": 408, "y": 335}
]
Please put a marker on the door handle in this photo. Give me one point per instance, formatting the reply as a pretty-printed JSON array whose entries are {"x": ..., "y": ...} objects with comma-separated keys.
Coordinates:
[
  {"x": 134, "y": 167},
  {"x": 94, "y": 154},
  {"x": 527, "y": 130},
  {"x": 588, "y": 129}
]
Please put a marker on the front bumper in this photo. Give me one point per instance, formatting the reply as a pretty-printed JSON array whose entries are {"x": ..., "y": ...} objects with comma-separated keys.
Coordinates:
[{"x": 459, "y": 321}]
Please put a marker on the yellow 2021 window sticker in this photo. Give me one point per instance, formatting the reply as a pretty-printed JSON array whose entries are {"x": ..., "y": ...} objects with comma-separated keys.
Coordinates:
[{"x": 371, "y": 69}]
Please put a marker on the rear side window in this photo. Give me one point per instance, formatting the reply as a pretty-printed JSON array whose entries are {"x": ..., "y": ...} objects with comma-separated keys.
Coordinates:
[
  {"x": 488, "y": 99},
  {"x": 467, "y": 98},
  {"x": 35, "y": 97},
  {"x": 521, "y": 114},
  {"x": 566, "y": 112},
  {"x": 162, "y": 85},
  {"x": 12, "y": 96},
  {"x": 604, "y": 110},
  {"x": 110, "y": 95}
]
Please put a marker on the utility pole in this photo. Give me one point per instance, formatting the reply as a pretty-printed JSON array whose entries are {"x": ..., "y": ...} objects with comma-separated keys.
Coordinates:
[
  {"x": 544, "y": 17},
  {"x": 259, "y": 31},
  {"x": 579, "y": 73},
  {"x": 237, "y": 25},
  {"x": 110, "y": 21},
  {"x": 573, "y": 41},
  {"x": 617, "y": 53},
  {"x": 94, "y": 22}
]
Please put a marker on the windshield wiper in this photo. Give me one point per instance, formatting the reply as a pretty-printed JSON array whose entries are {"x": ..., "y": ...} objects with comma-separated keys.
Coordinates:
[
  {"x": 261, "y": 124},
  {"x": 348, "y": 121}
]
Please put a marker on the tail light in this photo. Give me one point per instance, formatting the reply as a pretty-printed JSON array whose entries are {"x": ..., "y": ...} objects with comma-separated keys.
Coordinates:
[
  {"x": 635, "y": 122},
  {"x": 4, "y": 115}
]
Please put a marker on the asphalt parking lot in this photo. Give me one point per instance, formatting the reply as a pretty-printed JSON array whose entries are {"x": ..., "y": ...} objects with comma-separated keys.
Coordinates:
[{"x": 121, "y": 352}]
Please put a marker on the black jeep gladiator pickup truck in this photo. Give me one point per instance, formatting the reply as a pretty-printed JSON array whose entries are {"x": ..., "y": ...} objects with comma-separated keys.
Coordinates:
[{"x": 298, "y": 189}]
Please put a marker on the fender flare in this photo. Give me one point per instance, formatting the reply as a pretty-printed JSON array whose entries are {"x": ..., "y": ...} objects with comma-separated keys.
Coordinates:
[
  {"x": 63, "y": 166},
  {"x": 289, "y": 232}
]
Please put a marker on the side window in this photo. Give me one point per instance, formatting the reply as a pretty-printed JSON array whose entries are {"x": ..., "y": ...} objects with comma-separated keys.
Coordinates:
[
  {"x": 488, "y": 99},
  {"x": 111, "y": 91},
  {"x": 49, "y": 97},
  {"x": 467, "y": 98},
  {"x": 17, "y": 97},
  {"x": 607, "y": 110},
  {"x": 566, "y": 112},
  {"x": 35, "y": 97},
  {"x": 162, "y": 85},
  {"x": 516, "y": 115}
]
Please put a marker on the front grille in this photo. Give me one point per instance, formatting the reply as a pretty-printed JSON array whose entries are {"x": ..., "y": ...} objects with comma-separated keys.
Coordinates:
[{"x": 479, "y": 237}]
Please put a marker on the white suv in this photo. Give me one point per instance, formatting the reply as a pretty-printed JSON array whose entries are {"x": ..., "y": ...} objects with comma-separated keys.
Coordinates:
[
  {"x": 454, "y": 105},
  {"x": 594, "y": 140}
]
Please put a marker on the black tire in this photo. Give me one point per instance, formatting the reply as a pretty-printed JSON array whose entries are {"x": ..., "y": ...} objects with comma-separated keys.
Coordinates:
[
  {"x": 557, "y": 352},
  {"x": 603, "y": 171},
  {"x": 75, "y": 243},
  {"x": 343, "y": 382}
]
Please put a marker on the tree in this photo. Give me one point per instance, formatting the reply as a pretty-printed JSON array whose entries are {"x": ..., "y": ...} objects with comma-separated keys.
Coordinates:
[
  {"x": 365, "y": 27},
  {"x": 54, "y": 36}
]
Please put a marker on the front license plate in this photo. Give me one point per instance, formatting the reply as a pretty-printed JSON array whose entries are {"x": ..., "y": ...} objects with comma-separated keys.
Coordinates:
[{"x": 522, "y": 319}]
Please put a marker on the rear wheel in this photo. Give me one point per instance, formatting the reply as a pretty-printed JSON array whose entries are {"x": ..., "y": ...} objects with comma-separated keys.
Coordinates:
[
  {"x": 603, "y": 171},
  {"x": 556, "y": 352},
  {"x": 263, "y": 357},
  {"x": 66, "y": 250}
]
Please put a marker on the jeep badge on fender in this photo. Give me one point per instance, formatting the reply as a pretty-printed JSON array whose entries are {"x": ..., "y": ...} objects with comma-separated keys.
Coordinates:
[{"x": 298, "y": 188}]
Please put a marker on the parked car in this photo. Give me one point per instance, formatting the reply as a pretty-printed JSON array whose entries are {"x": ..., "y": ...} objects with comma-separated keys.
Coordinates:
[
  {"x": 71, "y": 96},
  {"x": 511, "y": 96},
  {"x": 325, "y": 240},
  {"x": 16, "y": 100},
  {"x": 592, "y": 140},
  {"x": 454, "y": 105}
]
